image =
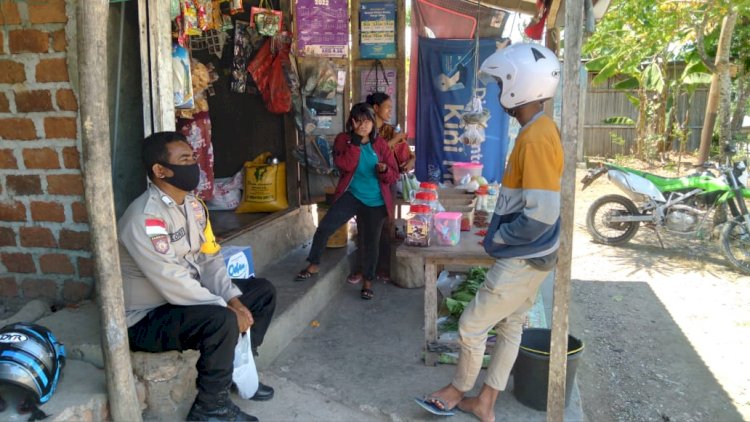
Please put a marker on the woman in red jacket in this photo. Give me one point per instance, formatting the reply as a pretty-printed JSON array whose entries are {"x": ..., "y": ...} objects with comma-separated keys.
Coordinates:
[{"x": 367, "y": 168}]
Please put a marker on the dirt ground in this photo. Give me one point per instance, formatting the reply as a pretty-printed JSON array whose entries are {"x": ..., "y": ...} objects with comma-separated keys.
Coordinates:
[{"x": 666, "y": 331}]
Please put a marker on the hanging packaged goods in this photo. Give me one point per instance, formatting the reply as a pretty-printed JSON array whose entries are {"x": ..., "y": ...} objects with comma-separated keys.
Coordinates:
[{"x": 265, "y": 19}]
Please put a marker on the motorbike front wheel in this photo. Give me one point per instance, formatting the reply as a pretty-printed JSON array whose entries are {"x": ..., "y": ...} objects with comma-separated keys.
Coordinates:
[
  {"x": 735, "y": 243},
  {"x": 600, "y": 226}
]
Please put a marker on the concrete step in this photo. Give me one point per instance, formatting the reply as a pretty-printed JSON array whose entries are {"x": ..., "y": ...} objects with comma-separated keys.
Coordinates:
[
  {"x": 81, "y": 394},
  {"x": 299, "y": 302},
  {"x": 275, "y": 238}
]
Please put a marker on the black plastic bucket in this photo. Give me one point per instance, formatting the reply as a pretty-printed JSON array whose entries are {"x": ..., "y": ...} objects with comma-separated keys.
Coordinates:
[{"x": 531, "y": 370}]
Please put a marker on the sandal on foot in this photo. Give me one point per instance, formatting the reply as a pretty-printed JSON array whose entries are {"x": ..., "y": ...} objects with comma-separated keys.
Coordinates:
[
  {"x": 304, "y": 275},
  {"x": 367, "y": 294},
  {"x": 385, "y": 278},
  {"x": 354, "y": 278},
  {"x": 434, "y": 405}
]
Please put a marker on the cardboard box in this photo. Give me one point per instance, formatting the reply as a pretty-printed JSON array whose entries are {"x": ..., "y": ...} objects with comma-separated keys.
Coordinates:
[
  {"x": 453, "y": 192},
  {"x": 466, "y": 208},
  {"x": 239, "y": 261},
  {"x": 458, "y": 201}
]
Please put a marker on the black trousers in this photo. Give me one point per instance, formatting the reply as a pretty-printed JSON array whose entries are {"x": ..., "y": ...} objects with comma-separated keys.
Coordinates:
[
  {"x": 369, "y": 221},
  {"x": 210, "y": 329}
]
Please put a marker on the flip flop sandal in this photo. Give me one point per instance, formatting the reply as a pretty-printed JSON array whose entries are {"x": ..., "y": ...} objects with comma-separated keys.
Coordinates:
[
  {"x": 367, "y": 294},
  {"x": 304, "y": 275},
  {"x": 384, "y": 278},
  {"x": 428, "y": 404},
  {"x": 354, "y": 278}
]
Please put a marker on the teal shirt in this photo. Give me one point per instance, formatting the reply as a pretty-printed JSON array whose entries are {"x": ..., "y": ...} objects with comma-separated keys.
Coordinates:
[{"x": 365, "y": 185}]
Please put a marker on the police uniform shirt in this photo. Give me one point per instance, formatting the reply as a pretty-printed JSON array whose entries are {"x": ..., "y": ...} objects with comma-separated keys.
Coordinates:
[{"x": 160, "y": 258}]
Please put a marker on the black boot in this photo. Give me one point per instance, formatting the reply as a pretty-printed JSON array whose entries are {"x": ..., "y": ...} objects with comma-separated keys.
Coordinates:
[{"x": 217, "y": 408}]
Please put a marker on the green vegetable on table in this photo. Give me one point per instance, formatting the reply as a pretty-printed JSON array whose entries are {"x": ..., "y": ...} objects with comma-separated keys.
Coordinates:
[{"x": 465, "y": 292}]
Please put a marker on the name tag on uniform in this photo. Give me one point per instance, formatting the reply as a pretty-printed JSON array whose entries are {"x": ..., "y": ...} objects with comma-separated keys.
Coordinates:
[{"x": 179, "y": 234}]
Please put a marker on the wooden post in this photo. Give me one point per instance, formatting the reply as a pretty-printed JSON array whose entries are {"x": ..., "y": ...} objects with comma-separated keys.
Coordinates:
[
  {"x": 92, "y": 49},
  {"x": 570, "y": 134}
]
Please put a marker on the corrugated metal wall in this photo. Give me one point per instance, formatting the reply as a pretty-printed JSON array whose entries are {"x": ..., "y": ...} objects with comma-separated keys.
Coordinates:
[{"x": 602, "y": 101}]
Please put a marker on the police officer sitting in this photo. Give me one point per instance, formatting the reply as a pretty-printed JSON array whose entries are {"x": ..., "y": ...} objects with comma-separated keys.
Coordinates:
[{"x": 177, "y": 296}]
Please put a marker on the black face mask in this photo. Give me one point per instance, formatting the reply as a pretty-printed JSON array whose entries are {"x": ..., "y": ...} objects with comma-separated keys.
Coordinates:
[{"x": 186, "y": 177}]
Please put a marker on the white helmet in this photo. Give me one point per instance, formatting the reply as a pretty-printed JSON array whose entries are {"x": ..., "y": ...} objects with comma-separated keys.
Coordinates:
[{"x": 525, "y": 72}]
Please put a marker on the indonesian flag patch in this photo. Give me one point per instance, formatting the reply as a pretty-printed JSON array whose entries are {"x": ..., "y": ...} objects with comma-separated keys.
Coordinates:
[{"x": 156, "y": 229}]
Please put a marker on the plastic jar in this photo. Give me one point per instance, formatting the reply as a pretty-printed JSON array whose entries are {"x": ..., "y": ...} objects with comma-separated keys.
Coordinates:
[
  {"x": 428, "y": 187},
  {"x": 418, "y": 226},
  {"x": 425, "y": 187},
  {"x": 426, "y": 198},
  {"x": 482, "y": 212}
]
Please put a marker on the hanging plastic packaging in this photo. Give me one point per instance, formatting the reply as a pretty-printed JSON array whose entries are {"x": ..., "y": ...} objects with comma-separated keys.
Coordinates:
[
  {"x": 242, "y": 50},
  {"x": 260, "y": 66},
  {"x": 278, "y": 96},
  {"x": 474, "y": 120},
  {"x": 190, "y": 18},
  {"x": 182, "y": 84},
  {"x": 236, "y": 7},
  {"x": 265, "y": 19}
]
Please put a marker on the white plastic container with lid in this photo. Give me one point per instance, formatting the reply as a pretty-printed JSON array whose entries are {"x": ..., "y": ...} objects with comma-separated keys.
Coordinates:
[
  {"x": 447, "y": 227},
  {"x": 459, "y": 170}
]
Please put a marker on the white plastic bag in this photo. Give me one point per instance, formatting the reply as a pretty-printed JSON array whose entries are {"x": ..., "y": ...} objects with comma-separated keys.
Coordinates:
[
  {"x": 245, "y": 376},
  {"x": 227, "y": 193}
]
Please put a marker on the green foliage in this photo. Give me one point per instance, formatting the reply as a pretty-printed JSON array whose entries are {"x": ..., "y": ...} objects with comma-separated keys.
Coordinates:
[
  {"x": 637, "y": 39},
  {"x": 652, "y": 78},
  {"x": 629, "y": 83},
  {"x": 465, "y": 291},
  {"x": 619, "y": 120}
]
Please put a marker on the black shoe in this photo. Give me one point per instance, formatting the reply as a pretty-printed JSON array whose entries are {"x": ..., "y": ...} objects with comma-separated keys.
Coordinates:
[
  {"x": 217, "y": 408},
  {"x": 264, "y": 393}
]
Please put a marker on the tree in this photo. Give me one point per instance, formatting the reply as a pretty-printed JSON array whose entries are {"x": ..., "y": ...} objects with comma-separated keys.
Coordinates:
[
  {"x": 636, "y": 40},
  {"x": 720, "y": 92}
]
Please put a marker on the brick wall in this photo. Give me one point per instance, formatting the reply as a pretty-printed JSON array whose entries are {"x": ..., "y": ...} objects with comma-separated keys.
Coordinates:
[{"x": 44, "y": 233}]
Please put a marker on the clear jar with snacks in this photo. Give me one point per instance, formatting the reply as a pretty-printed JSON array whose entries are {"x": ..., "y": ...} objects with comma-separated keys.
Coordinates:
[{"x": 418, "y": 226}]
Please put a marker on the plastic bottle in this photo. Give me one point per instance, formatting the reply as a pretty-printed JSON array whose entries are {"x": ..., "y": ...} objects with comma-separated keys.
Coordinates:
[
  {"x": 482, "y": 211},
  {"x": 492, "y": 193}
]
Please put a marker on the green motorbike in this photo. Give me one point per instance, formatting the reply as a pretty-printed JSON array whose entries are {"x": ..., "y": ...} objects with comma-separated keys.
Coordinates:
[{"x": 688, "y": 206}]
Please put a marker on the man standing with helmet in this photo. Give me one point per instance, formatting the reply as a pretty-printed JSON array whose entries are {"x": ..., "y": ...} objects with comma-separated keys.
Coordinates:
[
  {"x": 177, "y": 293},
  {"x": 523, "y": 234}
]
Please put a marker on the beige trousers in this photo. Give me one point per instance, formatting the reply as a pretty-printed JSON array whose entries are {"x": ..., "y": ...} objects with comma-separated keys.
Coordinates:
[{"x": 508, "y": 292}]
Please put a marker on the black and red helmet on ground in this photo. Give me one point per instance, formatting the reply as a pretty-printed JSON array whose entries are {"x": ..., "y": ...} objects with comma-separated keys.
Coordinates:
[{"x": 31, "y": 358}]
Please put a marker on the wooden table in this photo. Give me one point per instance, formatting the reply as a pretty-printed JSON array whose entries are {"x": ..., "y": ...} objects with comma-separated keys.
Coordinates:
[{"x": 468, "y": 252}]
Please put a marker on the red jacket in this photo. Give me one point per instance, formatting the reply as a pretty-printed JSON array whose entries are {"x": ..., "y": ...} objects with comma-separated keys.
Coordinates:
[{"x": 346, "y": 158}]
